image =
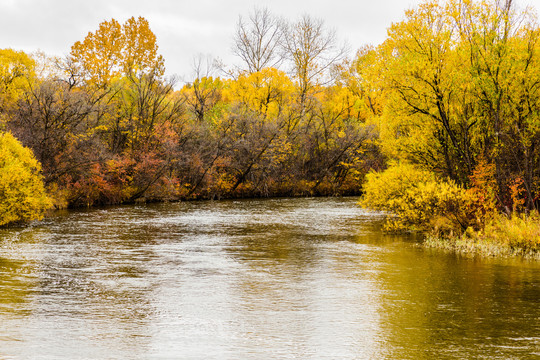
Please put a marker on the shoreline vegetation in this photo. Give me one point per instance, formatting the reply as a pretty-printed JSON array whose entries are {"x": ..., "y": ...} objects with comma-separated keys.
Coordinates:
[
  {"x": 517, "y": 235},
  {"x": 465, "y": 221},
  {"x": 439, "y": 124},
  {"x": 469, "y": 247}
]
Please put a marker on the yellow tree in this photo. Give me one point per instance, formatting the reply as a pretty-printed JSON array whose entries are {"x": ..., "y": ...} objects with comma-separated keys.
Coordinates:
[
  {"x": 461, "y": 90},
  {"x": 16, "y": 75},
  {"x": 114, "y": 50},
  {"x": 22, "y": 194},
  {"x": 205, "y": 91},
  {"x": 522, "y": 136},
  {"x": 421, "y": 72},
  {"x": 144, "y": 104},
  {"x": 139, "y": 53},
  {"x": 501, "y": 46},
  {"x": 267, "y": 92},
  {"x": 362, "y": 77},
  {"x": 202, "y": 95},
  {"x": 98, "y": 56},
  {"x": 262, "y": 104}
]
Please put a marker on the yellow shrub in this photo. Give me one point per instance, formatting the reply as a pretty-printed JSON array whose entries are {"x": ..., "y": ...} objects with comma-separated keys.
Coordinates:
[
  {"x": 417, "y": 199},
  {"x": 22, "y": 194}
]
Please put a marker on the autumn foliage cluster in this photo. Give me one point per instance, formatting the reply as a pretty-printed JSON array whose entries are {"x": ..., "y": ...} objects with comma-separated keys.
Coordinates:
[
  {"x": 461, "y": 115},
  {"x": 108, "y": 127}
]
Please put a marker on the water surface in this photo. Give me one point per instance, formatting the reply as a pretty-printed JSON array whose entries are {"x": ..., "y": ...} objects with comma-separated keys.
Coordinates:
[{"x": 254, "y": 279}]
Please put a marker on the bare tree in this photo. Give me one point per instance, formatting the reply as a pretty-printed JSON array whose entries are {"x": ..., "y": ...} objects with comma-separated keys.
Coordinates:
[
  {"x": 313, "y": 50},
  {"x": 257, "y": 40},
  {"x": 53, "y": 120}
]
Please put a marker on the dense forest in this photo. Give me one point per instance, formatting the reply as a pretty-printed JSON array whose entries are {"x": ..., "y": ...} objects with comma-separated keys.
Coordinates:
[{"x": 440, "y": 124}]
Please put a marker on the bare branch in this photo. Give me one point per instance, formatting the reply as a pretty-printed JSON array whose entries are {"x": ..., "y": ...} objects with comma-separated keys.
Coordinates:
[{"x": 257, "y": 40}]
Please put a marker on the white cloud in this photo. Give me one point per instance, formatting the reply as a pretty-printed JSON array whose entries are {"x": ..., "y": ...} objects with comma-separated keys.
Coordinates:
[{"x": 185, "y": 28}]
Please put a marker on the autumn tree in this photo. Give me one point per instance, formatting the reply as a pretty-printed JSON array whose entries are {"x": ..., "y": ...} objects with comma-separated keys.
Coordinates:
[
  {"x": 142, "y": 105},
  {"x": 460, "y": 90},
  {"x": 140, "y": 130},
  {"x": 109, "y": 128},
  {"x": 139, "y": 54},
  {"x": 268, "y": 92},
  {"x": 428, "y": 102},
  {"x": 53, "y": 120},
  {"x": 16, "y": 74},
  {"x": 362, "y": 77},
  {"x": 22, "y": 194},
  {"x": 114, "y": 50},
  {"x": 204, "y": 91},
  {"x": 501, "y": 45}
]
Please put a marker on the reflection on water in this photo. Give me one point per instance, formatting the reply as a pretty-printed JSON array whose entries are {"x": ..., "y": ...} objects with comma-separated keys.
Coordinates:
[{"x": 254, "y": 279}]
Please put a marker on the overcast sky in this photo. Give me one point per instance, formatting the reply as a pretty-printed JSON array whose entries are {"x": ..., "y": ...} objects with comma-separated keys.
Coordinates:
[{"x": 185, "y": 28}]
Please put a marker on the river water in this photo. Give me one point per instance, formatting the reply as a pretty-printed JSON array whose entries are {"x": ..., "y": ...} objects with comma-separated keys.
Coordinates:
[{"x": 254, "y": 279}]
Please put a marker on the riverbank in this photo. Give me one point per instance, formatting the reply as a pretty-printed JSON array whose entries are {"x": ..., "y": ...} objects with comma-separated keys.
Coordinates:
[{"x": 518, "y": 235}]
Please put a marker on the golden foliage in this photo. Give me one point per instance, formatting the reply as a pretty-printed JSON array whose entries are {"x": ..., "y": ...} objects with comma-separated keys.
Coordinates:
[
  {"x": 268, "y": 92},
  {"x": 417, "y": 199},
  {"x": 114, "y": 50},
  {"x": 16, "y": 74},
  {"x": 22, "y": 194}
]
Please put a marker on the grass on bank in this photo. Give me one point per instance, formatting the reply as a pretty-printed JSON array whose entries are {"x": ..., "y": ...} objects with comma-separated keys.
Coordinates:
[{"x": 501, "y": 236}]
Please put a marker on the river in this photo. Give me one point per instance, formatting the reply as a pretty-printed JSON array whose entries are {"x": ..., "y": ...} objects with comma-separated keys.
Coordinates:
[{"x": 254, "y": 279}]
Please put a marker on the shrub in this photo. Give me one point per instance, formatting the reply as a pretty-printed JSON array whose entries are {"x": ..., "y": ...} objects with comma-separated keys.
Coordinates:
[
  {"x": 22, "y": 193},
  {"x": 418, "y": 200}
]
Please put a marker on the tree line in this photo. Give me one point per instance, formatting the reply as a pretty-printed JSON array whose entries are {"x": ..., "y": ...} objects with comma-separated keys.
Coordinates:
[{"x": 108, "y": 127}]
